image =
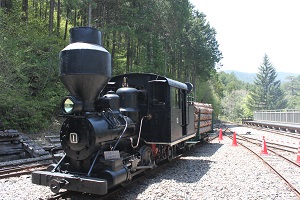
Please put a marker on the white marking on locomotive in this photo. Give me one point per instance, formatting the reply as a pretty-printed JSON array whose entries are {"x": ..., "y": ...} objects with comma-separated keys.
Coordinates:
[
  {"x": 109, "y": 155},
  {"x": 74, "y": 138}
]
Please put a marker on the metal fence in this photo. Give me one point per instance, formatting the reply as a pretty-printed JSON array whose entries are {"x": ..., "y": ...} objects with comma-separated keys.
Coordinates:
[{"x": 284, "y": 116}]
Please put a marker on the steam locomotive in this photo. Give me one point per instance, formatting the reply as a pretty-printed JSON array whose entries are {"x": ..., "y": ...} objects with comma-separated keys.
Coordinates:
[{"x": 115, "y": 127}]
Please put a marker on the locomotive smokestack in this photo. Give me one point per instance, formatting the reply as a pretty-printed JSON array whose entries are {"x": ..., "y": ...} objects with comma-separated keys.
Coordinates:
[{"x": 85, "y": 66}]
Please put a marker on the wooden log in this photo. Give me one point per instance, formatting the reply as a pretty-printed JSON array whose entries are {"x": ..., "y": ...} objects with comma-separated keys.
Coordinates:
[
  {"x": 24, "y": 161},
  {"x": 204, "y": 129},
  {"x": 54, "y": 140},
  {"x": 203, "y": 123},
  {"x": 9, "y": 139},
  {"x": 204, "y": 105},
  {"x": 11, "y": 151},
  {"x": 52, "y": 136},
  {"x": 202, "y": 108},
  {"x": 202, "y": 117},
  {"x": 32, "y": 148},
  {"x": 205, "y": 111}
]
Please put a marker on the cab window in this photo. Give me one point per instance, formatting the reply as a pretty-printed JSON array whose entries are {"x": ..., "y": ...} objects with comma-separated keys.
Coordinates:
[
  {"x": 175, "y": 98},
  {"x": 159, "y": 94}
]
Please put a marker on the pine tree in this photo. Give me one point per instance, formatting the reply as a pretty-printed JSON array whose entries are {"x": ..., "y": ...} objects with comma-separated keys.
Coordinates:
[{"x": 267, "y": 94}]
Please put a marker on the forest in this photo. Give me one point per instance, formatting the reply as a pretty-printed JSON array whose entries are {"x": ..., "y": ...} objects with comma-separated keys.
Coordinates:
[{"x": 169, "y": 38}]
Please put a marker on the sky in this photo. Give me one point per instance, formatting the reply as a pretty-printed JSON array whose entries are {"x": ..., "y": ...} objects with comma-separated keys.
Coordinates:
[{"x": 249, "y": 29}]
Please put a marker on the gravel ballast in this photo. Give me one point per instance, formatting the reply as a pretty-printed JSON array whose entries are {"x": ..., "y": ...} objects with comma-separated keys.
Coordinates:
[{"x": 216, "y": 170}]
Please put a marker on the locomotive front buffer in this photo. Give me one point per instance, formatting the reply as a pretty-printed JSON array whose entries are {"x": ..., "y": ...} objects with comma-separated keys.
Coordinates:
[{"x": 57, "y": 181}]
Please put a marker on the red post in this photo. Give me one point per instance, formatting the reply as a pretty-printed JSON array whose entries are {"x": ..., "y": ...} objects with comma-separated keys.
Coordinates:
[
  {"x": 221, "y": 134},
  {"x": 298, "y": 155},
  {"x": 234, "y": 142},
  {"x": 264, "y": 147}
]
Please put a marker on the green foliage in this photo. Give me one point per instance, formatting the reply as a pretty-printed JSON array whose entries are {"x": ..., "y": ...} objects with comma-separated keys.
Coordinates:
[
  {"x": 235, "y": 97},
  {"x": 207, "y": 93},
  {"x": 163, "y": 37},
  {"x": 292, "y": 91},
  {"x": 30, "y": 89},
  {"x": 267, "y": 94},
  {"x": 233, "y": 105},
  {"x": 231, "y": 82},
  {"x": 247, "y": 112},
  {"x": 239, "y": 98}
]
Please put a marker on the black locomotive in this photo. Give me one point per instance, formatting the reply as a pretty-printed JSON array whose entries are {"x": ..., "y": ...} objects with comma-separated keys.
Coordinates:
[{"x": 117, "y": 127}]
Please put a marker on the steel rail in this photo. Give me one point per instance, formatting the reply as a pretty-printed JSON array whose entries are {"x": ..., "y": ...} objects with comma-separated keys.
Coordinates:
[
  {"x": 21, "y": 170},
  {"x": 272, "y": 143},
  {"x": 279, "y": 132},
  {"x": 270, "y": 166}
]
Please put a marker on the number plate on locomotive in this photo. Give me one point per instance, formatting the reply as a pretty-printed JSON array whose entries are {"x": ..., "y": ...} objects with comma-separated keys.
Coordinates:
[{"x": 109, "y": 155}]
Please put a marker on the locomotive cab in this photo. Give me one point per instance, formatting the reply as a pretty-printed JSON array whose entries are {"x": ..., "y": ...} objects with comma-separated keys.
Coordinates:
[
  {"x": 165, "y": 100},
  {"x": 170, "y": 111}
]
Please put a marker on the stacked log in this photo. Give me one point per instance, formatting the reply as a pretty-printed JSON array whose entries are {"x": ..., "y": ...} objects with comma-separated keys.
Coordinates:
[
  {"x": 15, "y": 145},
  {"x": 10, "y": 146},
  {"x": 205, "y": 111}
]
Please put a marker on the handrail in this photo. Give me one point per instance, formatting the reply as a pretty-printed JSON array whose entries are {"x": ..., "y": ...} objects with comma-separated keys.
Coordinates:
[{"x": 284, "y": 116}]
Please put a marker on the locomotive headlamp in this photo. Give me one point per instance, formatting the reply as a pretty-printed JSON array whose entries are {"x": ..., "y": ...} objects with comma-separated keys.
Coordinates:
[
  {"x": 71, "y": 105},
  {"x": 68, "y": 105}
]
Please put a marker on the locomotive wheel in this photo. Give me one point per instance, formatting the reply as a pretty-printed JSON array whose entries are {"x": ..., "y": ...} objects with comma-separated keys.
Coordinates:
[
  {"x": 170, "y": 155},
  {"x": 147, "y": 158}
]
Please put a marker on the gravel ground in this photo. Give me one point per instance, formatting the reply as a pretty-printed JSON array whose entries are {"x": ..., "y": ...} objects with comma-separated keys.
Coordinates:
[
  {"x": 209, "y": 171},
  {"x": 270, "y": 137}
]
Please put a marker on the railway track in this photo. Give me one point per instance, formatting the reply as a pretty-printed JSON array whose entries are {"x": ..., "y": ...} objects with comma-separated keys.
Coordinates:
[
  {"x": 285, "y": 168},
  {"x": 25, "y": 166},
  {"x": 278, "y": 146},
  {"x": 238, "y": 175},
  {"x": 21, "y": 170},
  {"x": 279, "y": 132}
]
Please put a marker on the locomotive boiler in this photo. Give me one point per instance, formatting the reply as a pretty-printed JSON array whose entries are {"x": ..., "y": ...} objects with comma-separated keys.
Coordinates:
[{"x": 115, "y": 127}]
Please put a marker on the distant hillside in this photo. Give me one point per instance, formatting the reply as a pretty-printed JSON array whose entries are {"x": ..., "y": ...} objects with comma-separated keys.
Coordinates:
[{"x": 249, "y": 77}]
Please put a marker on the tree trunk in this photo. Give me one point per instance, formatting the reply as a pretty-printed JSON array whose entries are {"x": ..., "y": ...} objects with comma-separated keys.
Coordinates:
[
  {"x": 46, "y": 12},
  {"x": 66, "y": 24},
  {"x": 194, "y": 80},
  {"x": 179, "y": 66},
  {"x": 41, "y": 8},
  {"x": 6, "y": 4},
  {"x": 35, "y": 5},
  {"x": 58, "y": 18},
  {"x": 25, "y": 9},
  {"x": 165, "y": 57},
  {"x": 113, "y": 51},
  {"x": 173, "y": 61},
  {"x": 75, "y": 18},
  {"x": 51, "y": 13},
  {"x": 128, "y": 55},
  {"x": 132, "y": 53},
  {"x": 90, "y": 14}
]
